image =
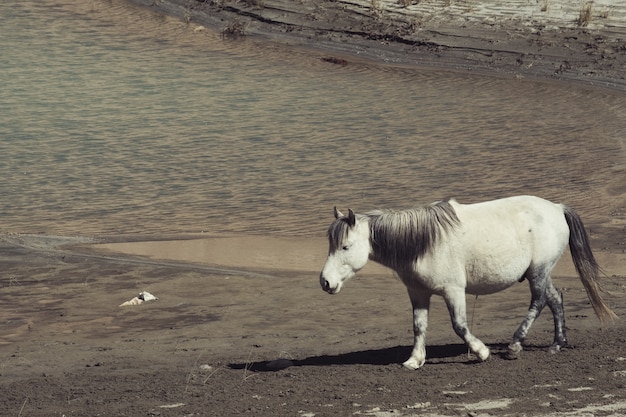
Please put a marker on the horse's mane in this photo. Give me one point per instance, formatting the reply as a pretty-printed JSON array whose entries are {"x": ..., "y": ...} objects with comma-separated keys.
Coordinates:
[
  {"x": 337, "y": 233},
  {"x": 399, "y": 238}
]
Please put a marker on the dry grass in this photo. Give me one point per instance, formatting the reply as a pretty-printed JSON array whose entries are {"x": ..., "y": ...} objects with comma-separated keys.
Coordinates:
[
  {"x": 22, "y": 409},
  {"x": 188, "y": 12},
  {"x": 234, "y": 29},
  {"x": 585, "y": 14},
  {"x": 375, "y": 6},
  {"x": 604, "y": 14}
]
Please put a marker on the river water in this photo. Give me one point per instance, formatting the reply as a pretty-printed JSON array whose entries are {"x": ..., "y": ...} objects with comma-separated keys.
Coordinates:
[{"x": 116, "y": 120}]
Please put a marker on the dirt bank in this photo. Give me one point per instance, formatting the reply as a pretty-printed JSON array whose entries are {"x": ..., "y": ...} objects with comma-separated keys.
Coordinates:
[{"x": 566, "y": 40}]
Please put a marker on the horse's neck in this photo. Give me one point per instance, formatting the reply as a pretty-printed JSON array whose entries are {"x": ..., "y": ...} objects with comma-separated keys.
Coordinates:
[{"x": 374, "y": 255}]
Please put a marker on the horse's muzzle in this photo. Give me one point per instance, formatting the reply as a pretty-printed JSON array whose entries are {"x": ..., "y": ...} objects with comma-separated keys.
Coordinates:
[{"x": 326, "y": 285}]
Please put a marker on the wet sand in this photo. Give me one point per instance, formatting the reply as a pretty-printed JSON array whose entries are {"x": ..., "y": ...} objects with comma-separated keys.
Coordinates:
[
  {"x": 286, "y": 254},
  {"x": 207, "y": 346}
]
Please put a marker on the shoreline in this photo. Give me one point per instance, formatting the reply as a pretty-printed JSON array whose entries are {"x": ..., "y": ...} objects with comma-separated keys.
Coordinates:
[
  {"x": 242, "y": 254},
  {"x": 513, "y": 39}
]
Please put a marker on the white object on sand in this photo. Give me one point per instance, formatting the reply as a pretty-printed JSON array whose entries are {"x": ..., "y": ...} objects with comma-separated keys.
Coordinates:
[
  {"x": 143, "y": 296},
  {"x": 146, "y": 296}
]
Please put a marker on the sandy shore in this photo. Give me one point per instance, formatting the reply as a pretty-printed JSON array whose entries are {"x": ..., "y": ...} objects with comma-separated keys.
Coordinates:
[
  {"x": 567, "y": 40},
  {"x": 260, "y": 338}
]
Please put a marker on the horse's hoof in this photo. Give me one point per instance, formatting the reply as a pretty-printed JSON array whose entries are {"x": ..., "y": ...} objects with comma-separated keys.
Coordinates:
[
  {"x": 413, "y": 364},
  {"x": 483, "y": 354},
  {"x": 513, "y": 355},
  {"x": 514, "y": 352},
  {"x": 555, "y": 348}
]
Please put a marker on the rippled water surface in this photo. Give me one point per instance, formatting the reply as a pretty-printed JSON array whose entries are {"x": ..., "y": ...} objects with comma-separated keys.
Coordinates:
[{"x": 114, "y": 119}]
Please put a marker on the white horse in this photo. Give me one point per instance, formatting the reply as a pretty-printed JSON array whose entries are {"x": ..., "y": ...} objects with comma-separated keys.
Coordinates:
[{"x": 451, "y": 249}]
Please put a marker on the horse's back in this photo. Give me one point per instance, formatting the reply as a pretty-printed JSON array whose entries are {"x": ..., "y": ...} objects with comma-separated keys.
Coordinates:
[
  {"x": 502, "y": 239},
  {"x": 520, "y": 213},
  {"x": 514, "y": 204},
  {"x": 524, "y": 220}
]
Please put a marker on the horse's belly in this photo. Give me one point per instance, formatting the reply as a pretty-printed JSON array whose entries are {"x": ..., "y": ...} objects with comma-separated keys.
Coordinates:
[
  {"x": 482, "y": 288},
  {"x": 489, "y": 280}
]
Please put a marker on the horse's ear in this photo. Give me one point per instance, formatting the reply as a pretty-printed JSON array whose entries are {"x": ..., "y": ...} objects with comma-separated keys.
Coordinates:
[
  {"x": 351, "y": 218},
  {"x": 338, "y": 214}
]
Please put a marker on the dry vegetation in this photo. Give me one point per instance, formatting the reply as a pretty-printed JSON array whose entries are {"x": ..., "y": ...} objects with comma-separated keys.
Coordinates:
[
  {"x": 585, "y": 14},
  {"x": 234, "y": 29}
]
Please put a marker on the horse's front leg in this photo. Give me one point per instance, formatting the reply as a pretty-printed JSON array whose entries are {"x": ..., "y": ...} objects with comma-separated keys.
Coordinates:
[
  {"x": 420, "y": 300},
  {"x": 455, "y": 300}
]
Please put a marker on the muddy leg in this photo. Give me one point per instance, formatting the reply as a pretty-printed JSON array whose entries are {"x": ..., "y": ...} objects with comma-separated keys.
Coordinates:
[
  {"x": 537, "y": 303},
  {"x": 555, "y": 302}
]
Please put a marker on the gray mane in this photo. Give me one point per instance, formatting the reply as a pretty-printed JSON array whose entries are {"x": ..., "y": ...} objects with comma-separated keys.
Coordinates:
[
  {"x": 337, "y": 234},
  {"x": 399, "y": 238}
]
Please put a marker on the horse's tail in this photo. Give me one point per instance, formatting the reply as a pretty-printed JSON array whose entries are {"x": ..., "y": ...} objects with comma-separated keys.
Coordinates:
[{"x": 586, "y": 265}]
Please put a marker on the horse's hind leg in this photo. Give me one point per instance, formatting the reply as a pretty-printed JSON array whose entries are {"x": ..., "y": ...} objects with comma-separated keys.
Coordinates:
[
  {"x": 543, "y": 292},
  {"x": 537, "y": 303},
  {"x": 455, "y": 300},
  {"x": 555, "y": 302}
]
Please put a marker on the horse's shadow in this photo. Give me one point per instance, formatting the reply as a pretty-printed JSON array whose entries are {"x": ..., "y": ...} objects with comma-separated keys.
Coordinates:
[{"x": 385, "y": 356}]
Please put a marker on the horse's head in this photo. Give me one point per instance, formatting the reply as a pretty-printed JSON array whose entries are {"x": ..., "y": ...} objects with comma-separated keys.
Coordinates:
[{"x": 349, "y": 250}]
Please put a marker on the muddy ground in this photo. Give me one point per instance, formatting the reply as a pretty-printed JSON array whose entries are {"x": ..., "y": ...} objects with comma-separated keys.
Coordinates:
[{"x": 209, "y": 345}]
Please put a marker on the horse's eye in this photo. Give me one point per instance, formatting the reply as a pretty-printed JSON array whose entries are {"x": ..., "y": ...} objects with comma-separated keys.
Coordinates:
[{"x": 345, "y": 248}]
